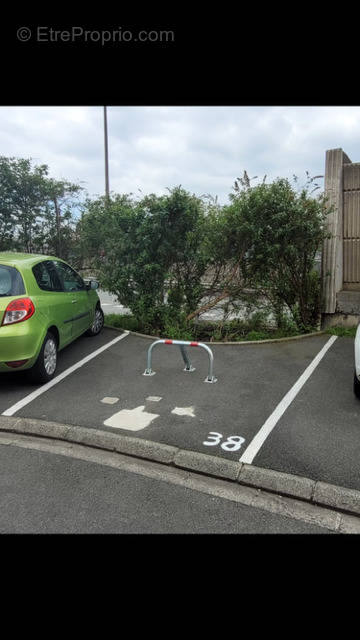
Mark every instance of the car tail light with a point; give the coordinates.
(18, 311)
(16, 363)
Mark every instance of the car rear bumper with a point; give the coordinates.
(21, 341)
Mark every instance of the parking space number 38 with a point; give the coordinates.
(232, 443)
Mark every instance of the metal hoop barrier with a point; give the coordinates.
(188, 366)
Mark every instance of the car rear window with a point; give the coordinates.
(11, 282)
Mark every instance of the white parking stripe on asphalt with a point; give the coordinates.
(29, 398)
(257, 442)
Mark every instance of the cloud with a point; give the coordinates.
(202, 148)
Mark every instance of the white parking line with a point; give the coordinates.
(22, 403)
(257, 442)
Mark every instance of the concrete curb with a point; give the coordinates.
(243, 342)
(341, 499)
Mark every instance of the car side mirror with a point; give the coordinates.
(91, 284)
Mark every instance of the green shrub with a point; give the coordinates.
(342, 331)
(233, 331)
(149, 253)
(256, 335)
(282, 229)
(127, 322)
(153, 253)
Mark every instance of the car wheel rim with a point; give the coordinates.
(98, 321)
(50, 357)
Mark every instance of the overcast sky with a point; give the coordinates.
(202, 148)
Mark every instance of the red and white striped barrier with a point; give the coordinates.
(188, 366)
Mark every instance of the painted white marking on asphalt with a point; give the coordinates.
(184, 411)
(232, 443)
(257, 442)
(22, 403)
(131, 419)
(109, 400)
(154, 398)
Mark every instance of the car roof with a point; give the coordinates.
(12, 258)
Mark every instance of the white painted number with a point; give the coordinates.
(213, 436)
(232, 443)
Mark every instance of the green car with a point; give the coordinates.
(44, 305)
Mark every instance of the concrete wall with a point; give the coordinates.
(332, 256)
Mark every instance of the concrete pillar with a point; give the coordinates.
(332, 255)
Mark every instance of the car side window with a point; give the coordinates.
(71, 281)
(46, 276)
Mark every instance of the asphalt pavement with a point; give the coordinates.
(48, 488)
(289, 403)
(316, 437)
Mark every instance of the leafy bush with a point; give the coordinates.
(282, 230)
(153, 254)
(149, 253)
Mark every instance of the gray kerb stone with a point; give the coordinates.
(7, 423)
(146, 449)
(337, 497)
(42, 428)
(276, 481)
(211, 465)
(93, 438)
(349, 524)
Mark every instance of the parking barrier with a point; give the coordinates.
(188, 366)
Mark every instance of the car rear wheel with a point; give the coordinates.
(356, 386)
(97, 324)
(45, 366)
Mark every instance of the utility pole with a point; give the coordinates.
(107, 191)
(57, 211)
